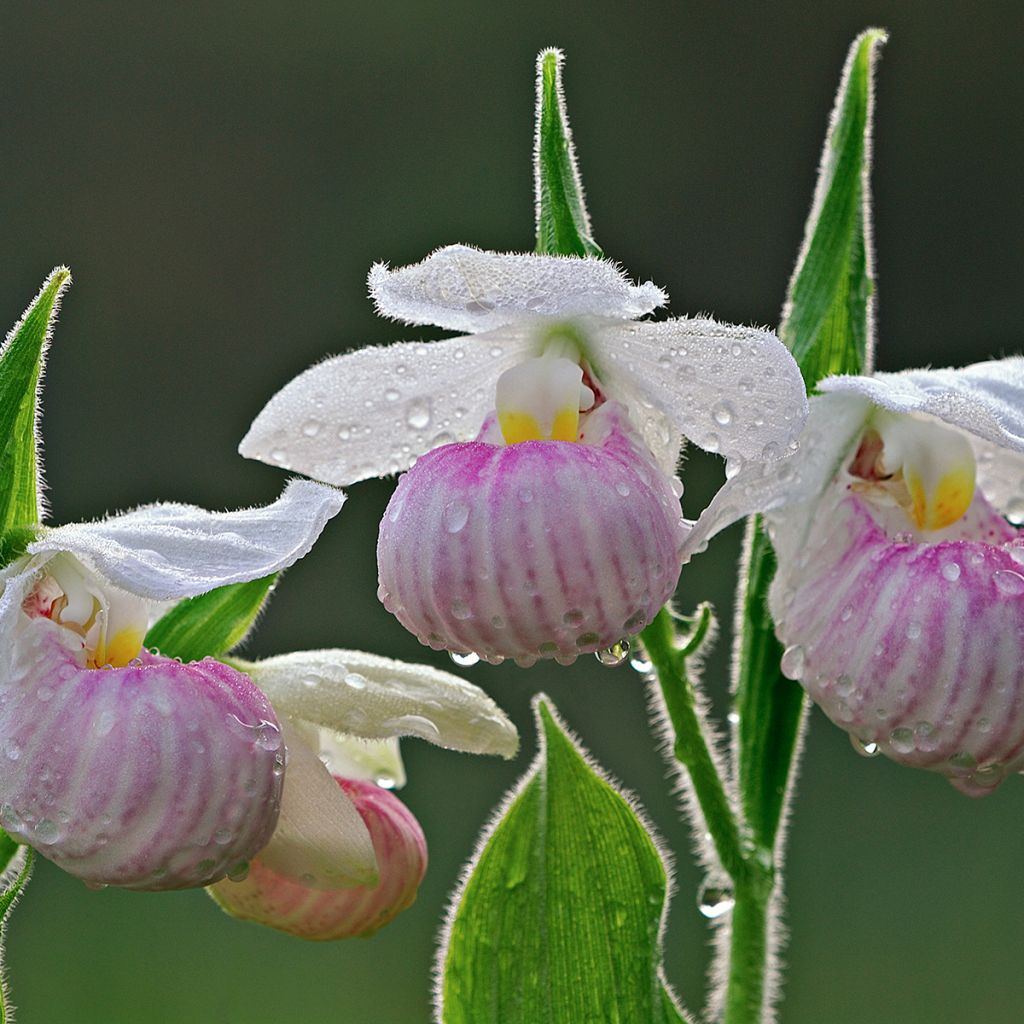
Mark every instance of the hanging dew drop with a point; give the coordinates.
(715, 899)
(238, 872)
(385, 780)
(866, 748)
(615, 655)
(794, 660)
(464, 659)
(1008, 582)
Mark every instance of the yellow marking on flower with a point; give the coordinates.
(540, 400)
(935, 464)
(123, 647)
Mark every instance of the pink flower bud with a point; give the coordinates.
(269, 898)
(541, 549)
(158, 775)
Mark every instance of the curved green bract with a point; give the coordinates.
(560, 916)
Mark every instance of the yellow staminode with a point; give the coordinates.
(937, 465)
(541, 399)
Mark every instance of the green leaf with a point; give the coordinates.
(21, 367)
(17, 873)
(828, 318)
(560, 916)
(827, 323)
(211, 624)
(563, 226)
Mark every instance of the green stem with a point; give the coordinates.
(691, 746)
(748, 950)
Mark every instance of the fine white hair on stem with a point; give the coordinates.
(12, 884)
(498, 815)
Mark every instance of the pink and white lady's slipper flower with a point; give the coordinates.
(122, 766)
(900, 586)
(541, 518)
(357, 862)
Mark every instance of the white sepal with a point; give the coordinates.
(731, 390)
(320, 841)
(373, 697)
(169, 551)
(376, 761)
(461, 288)
(372, 412)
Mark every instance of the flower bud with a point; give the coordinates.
(539, 549)
(156, 775)
(270, 898)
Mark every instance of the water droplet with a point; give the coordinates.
(844, 685)
(902, 740)
(733, 465)
(238, 872)
(733, 718)
(268, 736)
(223, 836)
(46, 832)
(622, 489)
(1008, 582)
(455, 515)
(413, 725)
(43, 693)
(846, 614)
(677, 486)
(723, 414)
(392, 395)
(344, 433)
(573, 617)
(770, 452)
(951, 571)
(278, 766)
(311, 428)
(12, 750)
(913, 631)
(715, 899)
(417, 413)
(640, 663)
(460, 609)
(465, 659)
(385, 780)
(964, 761)
(866, 748)
(104, 722)
(746, 385)
(355, 681)
(794, 661)
(525, 495)
(311, 681)
(903, 537)
(279, 455)
(1015, 511)
(614, 655)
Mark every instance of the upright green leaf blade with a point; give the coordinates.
(21, 366)
(210, 624)
(827, 323)
(560, 918)
(828, 317)
(563, 225)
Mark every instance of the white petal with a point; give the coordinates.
(373, 411)
(373, 697)
(733, 390)
(377, 761)
(986, 400)
(320, 840)
(168, 551)
(793, 483)
(465, 289)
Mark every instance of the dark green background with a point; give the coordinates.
(220, 176)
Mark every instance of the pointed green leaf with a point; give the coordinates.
(21, 366)
(828, 317)
(211, 624)
(563, 226)
(16, 874)
(827, 322)
(560, 916)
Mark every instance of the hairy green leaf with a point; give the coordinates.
(563, 226)
(210, 624)
(827, 323)
(828, 317)
(560, 916)
(22, 358)
(17, 872)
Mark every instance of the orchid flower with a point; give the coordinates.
(900, 587)
(540, 518)
(342, 713)
(123, 766)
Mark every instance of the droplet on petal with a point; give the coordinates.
(268, 898)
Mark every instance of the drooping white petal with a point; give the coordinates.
(461, 288)
(373, 697)
(733, 390)
(168, 551)
(795, 482)
(320, 840)
(376, 761)
(372, 412)
(986, 400)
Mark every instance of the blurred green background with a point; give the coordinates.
(220, 177)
